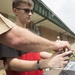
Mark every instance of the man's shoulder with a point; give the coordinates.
(5, 24)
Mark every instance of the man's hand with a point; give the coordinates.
(60, 45)
(56, 60)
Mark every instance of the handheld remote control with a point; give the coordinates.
(69, 55)
(65, 49)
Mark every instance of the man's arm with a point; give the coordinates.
(45, 55)
(56, 61)
(24, 40)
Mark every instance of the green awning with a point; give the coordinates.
(41, 9)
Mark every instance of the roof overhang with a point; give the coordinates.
(41, 21)
(49, 19)
(42, 16)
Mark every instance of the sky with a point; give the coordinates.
(65, 10)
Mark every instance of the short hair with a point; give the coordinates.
(16, 3)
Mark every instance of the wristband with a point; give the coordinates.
(38, 65)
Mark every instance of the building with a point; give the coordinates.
(47, 23)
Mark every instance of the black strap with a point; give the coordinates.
(38, 65)
(0, 46)
(0, 50)
(21, 53)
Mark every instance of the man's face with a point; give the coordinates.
(24, 13)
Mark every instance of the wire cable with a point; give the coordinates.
(63, 72)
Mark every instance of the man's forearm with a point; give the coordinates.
(56, 61)
(21, 65)
(24, 40)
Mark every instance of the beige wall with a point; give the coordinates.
(52, 35)
(48, 33)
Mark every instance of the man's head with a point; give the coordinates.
(23, 10)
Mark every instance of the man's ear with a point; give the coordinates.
(15, 11)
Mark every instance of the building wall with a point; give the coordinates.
(52, 35)
(48, 33)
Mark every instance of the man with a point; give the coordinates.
(21, 9)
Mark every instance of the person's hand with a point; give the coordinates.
(56, 60)
(60, 45)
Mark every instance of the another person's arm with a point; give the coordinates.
(56, 61)
(24, 40)
(45, 55)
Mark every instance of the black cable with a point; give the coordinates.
(63, 72)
